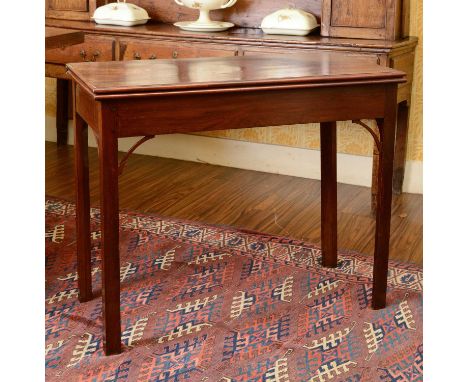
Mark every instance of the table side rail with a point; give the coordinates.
(152, 115)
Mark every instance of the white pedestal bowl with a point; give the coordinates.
(204, 23)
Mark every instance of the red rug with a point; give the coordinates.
(218, 304)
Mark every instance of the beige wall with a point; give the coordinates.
(351, 139)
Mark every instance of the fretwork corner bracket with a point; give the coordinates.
(124, 160)
(375, 134)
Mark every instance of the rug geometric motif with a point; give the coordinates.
(218, 304)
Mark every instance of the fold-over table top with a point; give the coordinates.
(119, 78)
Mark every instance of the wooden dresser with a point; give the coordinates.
(160, 39)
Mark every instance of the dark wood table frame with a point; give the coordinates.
(118, 99)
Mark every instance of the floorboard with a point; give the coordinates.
(274, 204)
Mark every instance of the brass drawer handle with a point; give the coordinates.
(152, 57)
(83, 54)
(96, 54)
(137, 56)
(175, 54)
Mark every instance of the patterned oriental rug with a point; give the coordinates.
(218, 304)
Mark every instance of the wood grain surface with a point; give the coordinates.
(248, 36)
(159, 75)
(60, 38)
(274, 204)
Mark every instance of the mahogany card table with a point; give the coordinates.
(148, 98)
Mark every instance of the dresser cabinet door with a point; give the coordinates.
(71, 9)
(154, 49)
(368, 19)
(68, 5)
(95, 48)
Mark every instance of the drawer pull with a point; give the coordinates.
(96, 54)
(175, 54)
(137, 56)
(83, 55)
(152, 57)
(378, 60)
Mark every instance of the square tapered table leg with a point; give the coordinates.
(329, 194)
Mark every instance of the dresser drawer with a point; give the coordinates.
(95, 48)
(372, 58)
(151, 50)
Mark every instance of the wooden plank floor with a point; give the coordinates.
(274, 204)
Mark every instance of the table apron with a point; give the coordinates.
(86, 106)
(184, 113)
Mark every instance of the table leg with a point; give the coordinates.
(400, 147)
(384, 200)
(108, 162)
(61, 114)
(375, 179)
(328, 189)
(83, 240)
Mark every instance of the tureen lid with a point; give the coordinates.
(120, 11)
(290, 18)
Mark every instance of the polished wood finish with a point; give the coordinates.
(328, 194)
(263, 202)
(135, 49)
(384, 200)
(130, 97)
(135, 78)
(72, 9)
(109, 176)
(94, 48)
(248, 37)
(89, 48)
(372, 19)
(61, 38)
(400, 149)
(62, 111)
(83, 243)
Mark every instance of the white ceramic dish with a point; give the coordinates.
(120, 22)
(120, 13)
(290, 32)
(289, 21)
(214, 26)
(204, 23)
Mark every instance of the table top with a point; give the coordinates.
(59, 37)
(149, 76)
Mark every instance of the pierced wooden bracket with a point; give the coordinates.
(124, 160)
(376, 160)
(375, 135)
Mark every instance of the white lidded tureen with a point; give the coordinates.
(121, 13)
(289, 21)
(204, 23)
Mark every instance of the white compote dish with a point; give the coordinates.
(204, 23)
